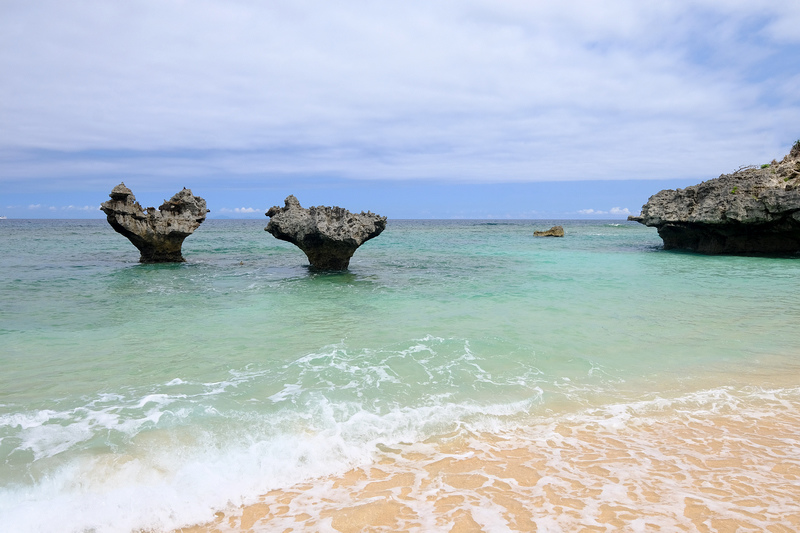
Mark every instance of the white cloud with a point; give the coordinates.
(475, 91)
(617, 211)
(240, 210)
(63, 208)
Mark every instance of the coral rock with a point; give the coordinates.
(158, 234)
(751, 211)
(555, 231)
(329, 236)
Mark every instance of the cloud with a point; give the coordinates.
(617, 211)
(477, 91)
(62, 208)
(240, 210)
(620, 211)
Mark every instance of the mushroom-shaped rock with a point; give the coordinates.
(329, 236)
(751, 211)
(158, 234)
(555, 231)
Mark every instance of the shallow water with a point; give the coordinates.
(154, 396)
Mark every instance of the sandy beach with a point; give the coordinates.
(682, 468)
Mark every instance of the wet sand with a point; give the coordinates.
(701, 467)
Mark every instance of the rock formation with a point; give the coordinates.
(158, 234)
(329, 236)
(751, 211)
(555, 231)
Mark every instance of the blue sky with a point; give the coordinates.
(414, 109)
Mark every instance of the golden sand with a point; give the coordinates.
(722, 470)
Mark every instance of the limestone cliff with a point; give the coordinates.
(753, 210)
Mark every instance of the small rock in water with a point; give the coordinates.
(329, 236)
(158, 234)
(555, 231)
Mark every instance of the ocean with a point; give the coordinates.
(461, 376)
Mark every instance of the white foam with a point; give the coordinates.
(290, 390)
(171, 486)
(167, 480)
(158, 399)
(27, 420)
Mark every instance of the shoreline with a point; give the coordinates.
(417, 391)
(701, 467)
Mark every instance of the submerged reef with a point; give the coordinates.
(755, 210)
(329, 236)
(555, 231)
(158, 234)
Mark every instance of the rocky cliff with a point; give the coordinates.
(753, 210)
(158, 234)
(329, 236)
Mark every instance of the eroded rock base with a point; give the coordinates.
(731, 240)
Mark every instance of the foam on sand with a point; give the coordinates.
(719, 460)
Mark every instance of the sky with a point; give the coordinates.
(412, 109)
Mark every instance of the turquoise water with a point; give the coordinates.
(149, 396)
